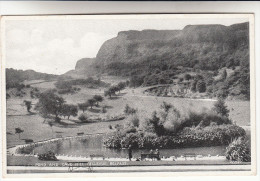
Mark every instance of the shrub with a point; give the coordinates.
(180, 79)
(220, 108)
(83, 118)
(128, 110)
(133, 120)
(239, 150)
(193, 86)
(103, 110)
(201, 86)
(189, 137)
(187, 76)
(204, 119)
(118, 127)
(49, 156)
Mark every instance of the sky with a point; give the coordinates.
(55, 45)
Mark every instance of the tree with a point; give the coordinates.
(108, 93)
(115, 89)
(220, 108)
(28, 105)
(136, 81)
(50, 123)
(69, 110)
(91, 102)
(166, 107)
(98, 98)
(187, 76)
(201, 86)
(18, 131)
(83, 106)
(111, 91)
(198, 77)
(157, 125)
(50, 104)
(224, 75)
(121, 85)
(180, 80)
(193, 86)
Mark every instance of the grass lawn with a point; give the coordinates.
(35, 129)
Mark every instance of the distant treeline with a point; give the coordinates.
(14, 78)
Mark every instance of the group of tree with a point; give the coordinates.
(69, 110)
(50, 104)
(95, 100)
(89, 82)
(114, 89)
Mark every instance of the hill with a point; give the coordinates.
(151, 57)
(207, 47)
(15, 77)
(82, 69)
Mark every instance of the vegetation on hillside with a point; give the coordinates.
(68, 86)
(202, 49)
(14, 78)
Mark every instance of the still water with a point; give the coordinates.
(93, 145)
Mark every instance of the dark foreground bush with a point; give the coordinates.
(49, 156)
(239, 150)
(216, 135)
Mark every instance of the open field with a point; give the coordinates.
(35, 129)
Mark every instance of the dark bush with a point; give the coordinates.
(83, 118)
(204, 119)
(128, 110)
(201, 86)
(189, 137)
(239, 150)
(49, 156)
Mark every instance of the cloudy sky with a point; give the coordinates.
(55, 45)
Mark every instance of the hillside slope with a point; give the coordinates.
(15, 77)
(207, 47)
(82, 69)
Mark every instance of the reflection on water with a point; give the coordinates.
(93, 145)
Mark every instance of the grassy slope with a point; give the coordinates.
(35, 129)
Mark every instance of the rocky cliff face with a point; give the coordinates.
(207, 47)
(83, 68)
(187, 47)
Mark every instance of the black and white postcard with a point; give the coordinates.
(172, 94)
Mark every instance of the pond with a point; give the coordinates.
(89, 145)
